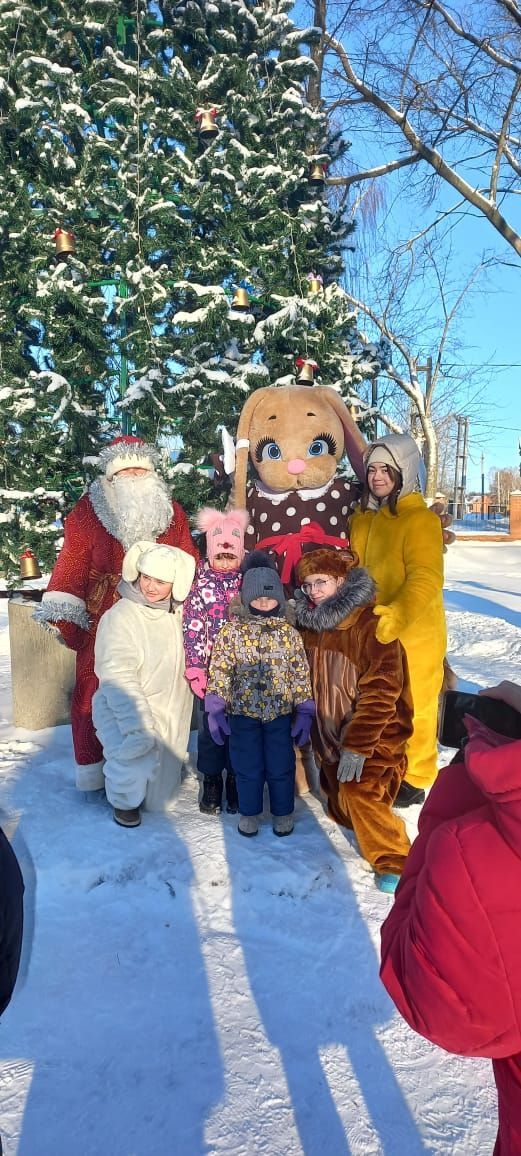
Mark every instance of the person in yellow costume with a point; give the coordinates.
(399, 541)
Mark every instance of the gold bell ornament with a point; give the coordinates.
(315, 282)
(317, 174)
(306, 369)
(207, 128)
(65, 242)
(29, 567)
(241, 300)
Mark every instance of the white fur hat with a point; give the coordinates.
(166, 563)
(125, 452)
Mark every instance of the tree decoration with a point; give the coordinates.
(306, 369)
(317, 174)
(29, 567)
(207, 127)
(241, 300)
(315, 282)
(65, 242)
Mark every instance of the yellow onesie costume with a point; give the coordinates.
(404, 555)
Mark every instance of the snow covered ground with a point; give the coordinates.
(185, 991)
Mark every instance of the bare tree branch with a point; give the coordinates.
(512, 8)
(371, 174)
(424, 150)
(478, 41)
(503, 138)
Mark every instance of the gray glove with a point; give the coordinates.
(350, 767)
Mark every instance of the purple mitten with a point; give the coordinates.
(218, 724)
(301, 725)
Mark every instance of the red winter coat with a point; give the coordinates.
(451, 946)
(81, 588)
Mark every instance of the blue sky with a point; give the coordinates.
(488, 329)
(489, 332)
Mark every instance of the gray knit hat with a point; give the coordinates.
(260, 579)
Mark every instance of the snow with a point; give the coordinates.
(184, 991)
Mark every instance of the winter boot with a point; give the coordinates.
(127, 818)
(283, 824)
(409, 795)
(387, 882)
(232, 798)
(211, 797)
(248, 825)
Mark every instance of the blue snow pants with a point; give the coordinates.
(262, 752)
(211, 758)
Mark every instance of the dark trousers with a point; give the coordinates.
(262, 752)
(211, 758)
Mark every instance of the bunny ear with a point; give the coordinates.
(207, 517)
(354, 441)
(242, 445)
(184, 575)
(129, 571)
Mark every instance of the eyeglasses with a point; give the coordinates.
(318, 584)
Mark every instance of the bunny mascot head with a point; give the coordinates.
(294, 437)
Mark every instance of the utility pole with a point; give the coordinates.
(460, 470)
(456, 469)
(426, 449)
(482, 487)
(464, 460)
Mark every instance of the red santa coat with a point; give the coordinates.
(451, 946)
(82, 586)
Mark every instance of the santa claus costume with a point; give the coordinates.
(118, 510)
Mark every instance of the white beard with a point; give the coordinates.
(141, 506)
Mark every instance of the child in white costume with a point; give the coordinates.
(142, 708)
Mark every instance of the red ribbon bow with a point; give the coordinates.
(291, 545)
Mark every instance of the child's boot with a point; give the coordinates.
(387, 882)
(211, 797)
(248, 825)
(232, 798)
(283, 824)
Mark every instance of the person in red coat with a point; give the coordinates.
(451, 945)
(127, 503)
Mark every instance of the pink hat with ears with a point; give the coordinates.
(224, 531)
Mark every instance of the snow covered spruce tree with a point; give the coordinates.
(252, 188)
(131, 211)
(88, 172)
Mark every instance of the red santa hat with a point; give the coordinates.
(126, 452)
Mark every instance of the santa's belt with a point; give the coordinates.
(291, 545)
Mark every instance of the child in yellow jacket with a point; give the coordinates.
(399, 540)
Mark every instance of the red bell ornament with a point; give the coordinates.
(306, 369)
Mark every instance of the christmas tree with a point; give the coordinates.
(166, 241)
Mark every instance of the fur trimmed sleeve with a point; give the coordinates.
(64, 603)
